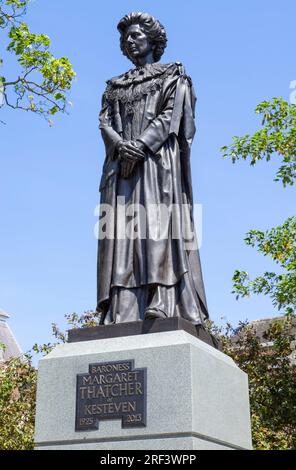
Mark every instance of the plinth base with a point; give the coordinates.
(197, 398)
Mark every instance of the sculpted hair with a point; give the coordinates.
(154, 30)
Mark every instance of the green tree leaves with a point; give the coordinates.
(44, 80)
(269, 359)
(271, 368)
(18, 381)
(279, 244)
(17, 404)
(277, 136)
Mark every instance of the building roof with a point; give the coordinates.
(7, 338)
(261, 326)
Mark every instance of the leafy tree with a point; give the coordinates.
(279, 244)
(276, 137)
(271, 368)
(43, 80)
(86, 320)
(18, 381)
(17, 404)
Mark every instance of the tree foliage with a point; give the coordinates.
(279, 244)
(271, 368)
(43, 81)
(276, 137)
(18, 381)
(73, 320)
(17, 404)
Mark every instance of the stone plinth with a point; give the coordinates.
(197, 398)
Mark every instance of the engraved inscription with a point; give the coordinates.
(111, 390)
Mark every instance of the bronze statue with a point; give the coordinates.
(147, 124)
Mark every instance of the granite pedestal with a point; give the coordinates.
(197, 398)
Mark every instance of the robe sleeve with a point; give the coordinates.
(175, 102)
(106, 124)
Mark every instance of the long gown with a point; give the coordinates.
(160, 273)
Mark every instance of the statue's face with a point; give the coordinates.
(137, 44)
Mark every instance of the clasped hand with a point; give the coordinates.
(129, 152)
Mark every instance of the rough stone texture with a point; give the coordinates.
(197, 398)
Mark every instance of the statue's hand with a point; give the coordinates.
(130, 151)
(140, 145)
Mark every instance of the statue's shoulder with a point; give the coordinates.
(174, 68)
(180, 67)
(116, 78)
(177, 69)
(180, 71)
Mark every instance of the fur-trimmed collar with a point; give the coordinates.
(140, 74)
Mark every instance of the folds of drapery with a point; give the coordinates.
(176, 116)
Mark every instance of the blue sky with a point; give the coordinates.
(237, 53)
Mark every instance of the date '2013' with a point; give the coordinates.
(134, 418)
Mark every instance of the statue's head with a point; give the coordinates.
(141, 35)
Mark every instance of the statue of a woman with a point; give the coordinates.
(147, 123)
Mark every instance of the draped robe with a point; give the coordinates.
(155, 105)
